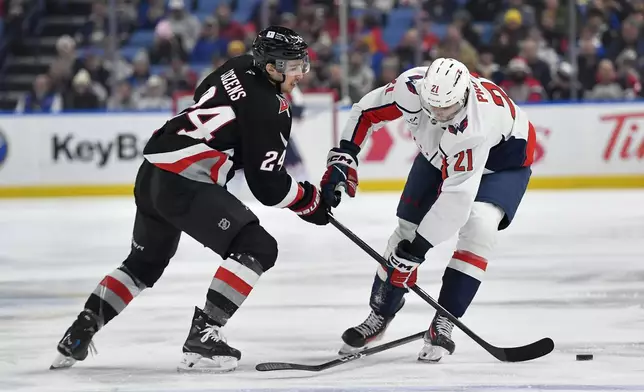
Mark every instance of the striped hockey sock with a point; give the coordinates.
(231, 285)
(113, 294)
(461, 281)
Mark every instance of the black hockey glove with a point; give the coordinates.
(341, 172)
(311, 207)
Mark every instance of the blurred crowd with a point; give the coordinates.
(527, 53)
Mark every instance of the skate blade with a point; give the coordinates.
(347, 349)
(432, 354)
(62, 362)
(192, 362)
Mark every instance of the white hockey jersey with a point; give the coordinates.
(492, 134)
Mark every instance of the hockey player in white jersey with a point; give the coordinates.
(476, 147)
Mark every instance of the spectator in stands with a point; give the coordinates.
(97, 26)
(185, 27)
(407, 48)
(607, 87)
(454, 46)
(360, 78)
(558, 12)
(82, 96)
(463, 21)
(563, 84)
(555, 38)
(544, 52)
(486, 67)
(93, 63)
(506, 39)
(429, 39)
(236, 48)
(597, 28)
(151, 12)
(179, 77)
(153, 96)
(166, 44)
(540, 69)
(333, 81)
(63, 67)
(520, 85)
(587, 62)
(210, 43)
(41, 99)
(140, 70)
(484, 10)
(126, 15)
(527, 12)
(228, 28)
(627, 74)
(628, 39)
(390, 71)
(440, 11)
(122, 98)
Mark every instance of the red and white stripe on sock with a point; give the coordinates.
(468, 263)
(117, 289)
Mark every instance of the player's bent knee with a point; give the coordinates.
(254, 240)
(479, 234)
(143, 270)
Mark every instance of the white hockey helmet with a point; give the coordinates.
(444, 89)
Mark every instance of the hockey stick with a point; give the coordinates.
(511, 354)
(270, 366)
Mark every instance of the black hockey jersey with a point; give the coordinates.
(240, 120)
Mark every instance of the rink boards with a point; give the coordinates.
(578, 146)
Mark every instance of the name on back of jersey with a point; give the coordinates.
(232, 85)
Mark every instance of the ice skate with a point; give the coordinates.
(369, 331)
(438, 340)
(205, 349)
(77, 341)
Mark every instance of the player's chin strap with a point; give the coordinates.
(512, 354)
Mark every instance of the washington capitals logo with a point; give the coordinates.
(283, 105)
(455, 129)
(410, 83)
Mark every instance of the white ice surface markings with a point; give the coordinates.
(570, 267)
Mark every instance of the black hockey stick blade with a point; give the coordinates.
(270, 366)
(512, 354)
(529, 352)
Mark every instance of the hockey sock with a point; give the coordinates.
(461, 281)
(231, 285)
(113, 294)
(386, 299)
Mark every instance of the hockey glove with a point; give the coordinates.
(311, 207)
(341, 172)
(402, 265)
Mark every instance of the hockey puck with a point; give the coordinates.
(584, 357)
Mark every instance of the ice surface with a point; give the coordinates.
(570, 267)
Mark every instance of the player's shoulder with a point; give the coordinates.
(406, 89)
(239, 80)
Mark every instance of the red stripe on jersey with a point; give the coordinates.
(214, 170)
(117, 288)
(183, 163)
(233, 281)
(372, 116)
(470, 258)
(298, 196)
(530, 147)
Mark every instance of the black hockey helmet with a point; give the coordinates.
(282, 47)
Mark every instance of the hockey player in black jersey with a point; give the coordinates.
(240, 119)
